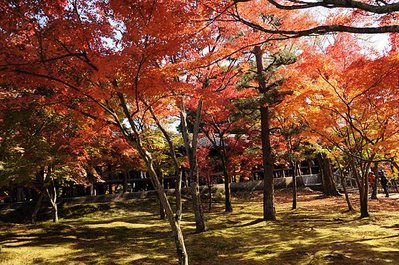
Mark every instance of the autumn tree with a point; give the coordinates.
(349, 101)
(102, 60)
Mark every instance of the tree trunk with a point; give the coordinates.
(38, 205)
(40, 178)
(343, 184)
(175, 225)
(329, 188)
(134, 138)
(179, 204)
(52, 196)
(161, 209)
(178, 169)
(294, 186)
(269, 211)
(197, 207)
(364, 212)
(55, 213)
(191, 149)
(362, 183)
(227, 179)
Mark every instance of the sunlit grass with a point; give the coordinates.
(318, 232)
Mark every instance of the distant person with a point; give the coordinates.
(384, 183)
(372, 181)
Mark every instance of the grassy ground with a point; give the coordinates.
(319, 232)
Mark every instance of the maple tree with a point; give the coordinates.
(128, 67)
(361, 17)
(38, 151)
(350, 102)
(66, 46)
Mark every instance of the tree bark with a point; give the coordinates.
(40, 178)
(38, 205)
(52, 195)
(269, 212)
(134, 138)
(227, 178)
(348, 201)
(179, 204)
(176, 164)
(362, 183)
(191, 149)
(161, 209)
(294, 186)
(329, 188)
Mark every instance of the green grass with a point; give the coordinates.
(319, 232)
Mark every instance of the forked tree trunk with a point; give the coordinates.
(178, 170)
(174, 223)
(134, 139)
(269, 211)
(362, 183)
(52, 195)
(191, 149)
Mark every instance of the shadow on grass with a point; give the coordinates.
(132, 234)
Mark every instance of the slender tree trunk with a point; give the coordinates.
(227, 178)
(178, 169)
(348, 200)
(175, 224)
(294, 186)
(269, 211)
(191, 149)
(179, 204)
(134, 138)
(161, 209)
(52, 195)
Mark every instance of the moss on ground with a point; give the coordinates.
(318, 232)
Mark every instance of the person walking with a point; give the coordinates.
(384, 183)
